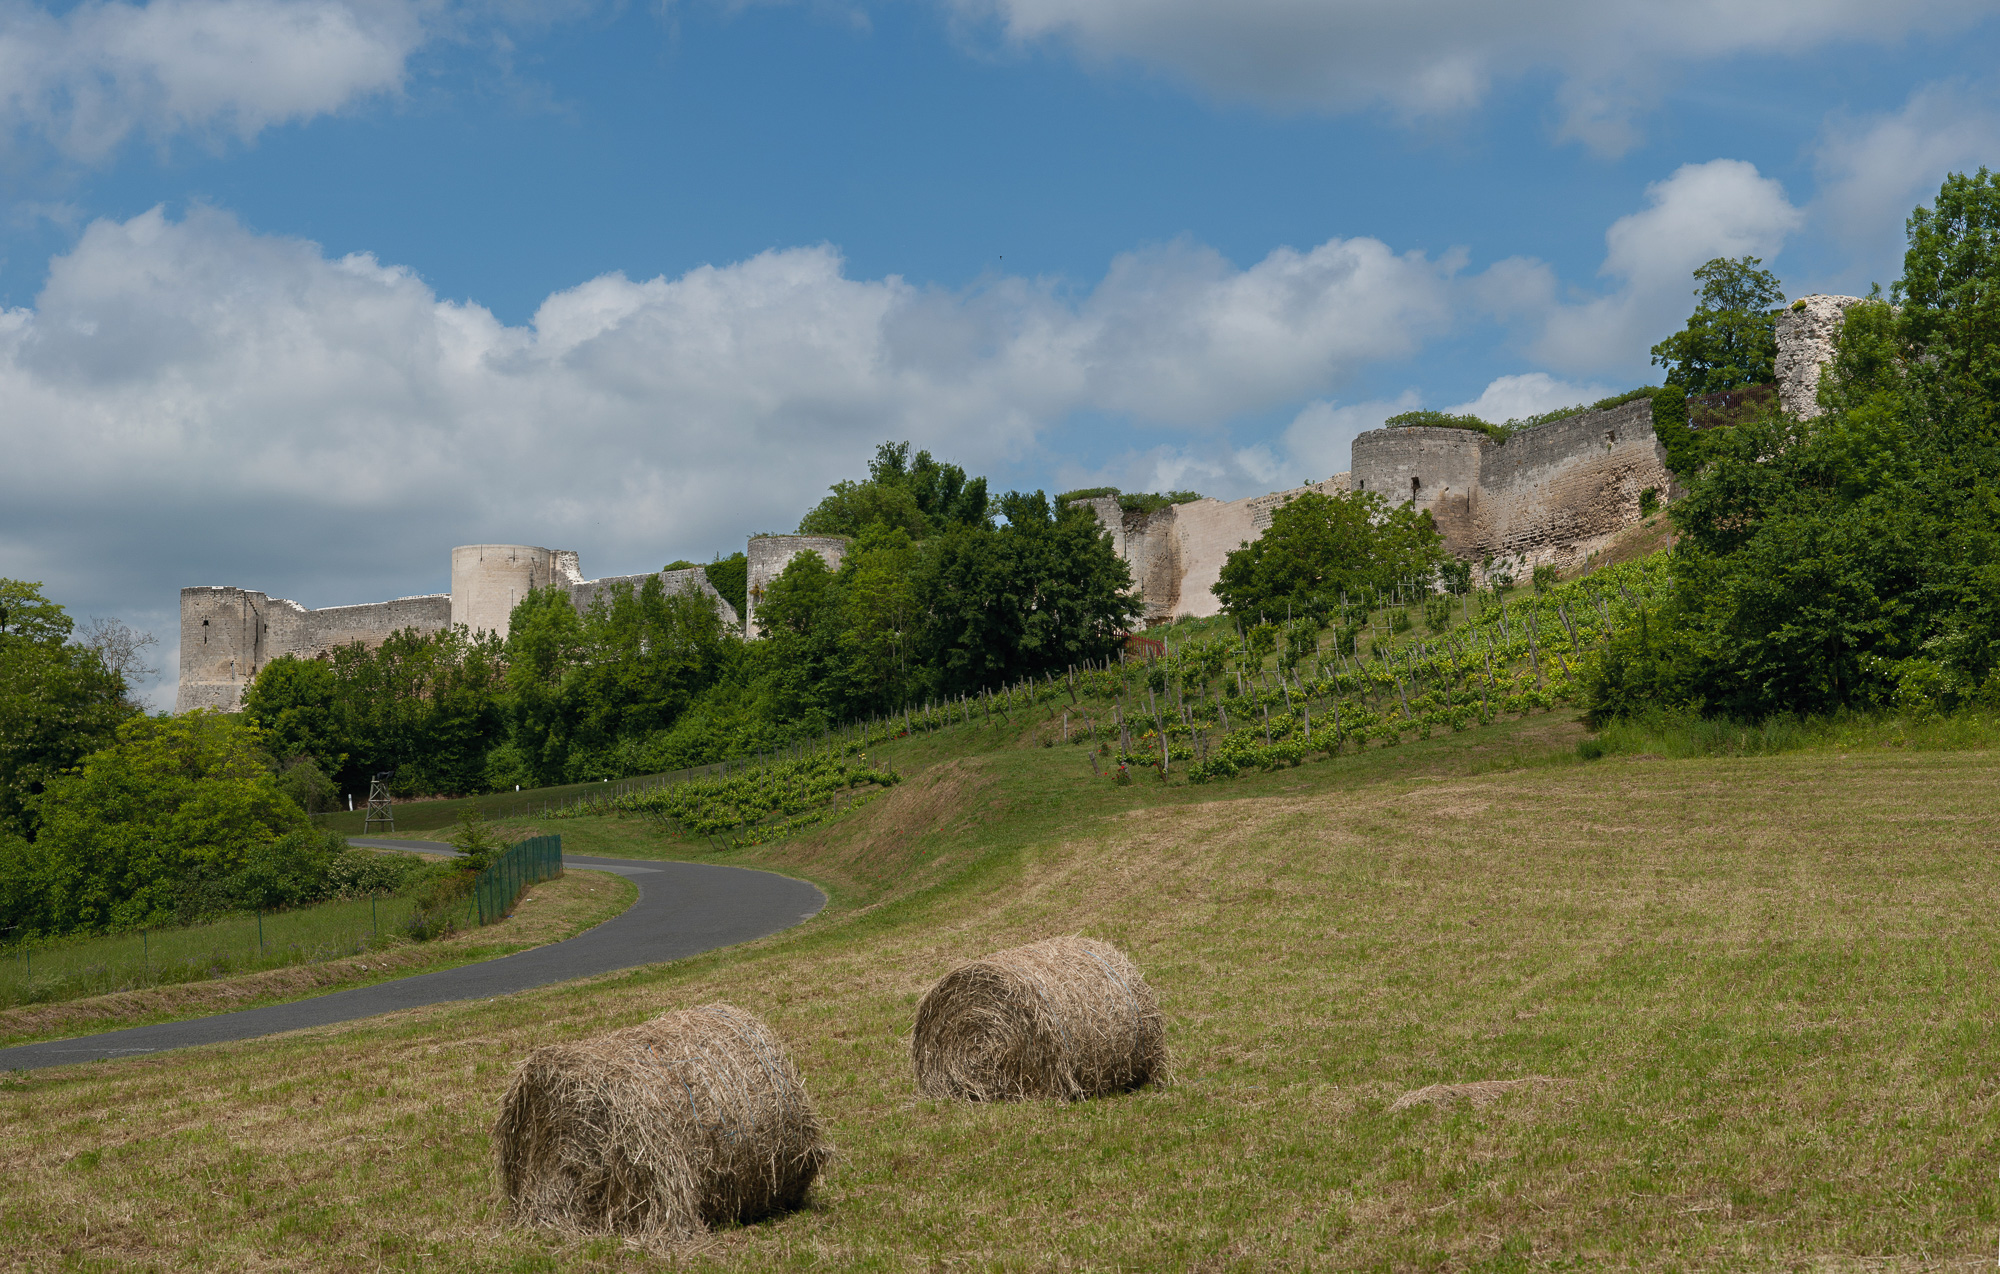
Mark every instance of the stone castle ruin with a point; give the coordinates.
(1550, 495)
(228, 634)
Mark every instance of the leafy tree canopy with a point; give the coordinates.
(58, 702)
(174, 799)
(922, 496)
(1950, 295)
(1731, 339)
(1319, 547)
(1851, 560)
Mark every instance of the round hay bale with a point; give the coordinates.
(693, 1119)
(1064, 1017)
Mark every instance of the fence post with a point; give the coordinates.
(260, 931)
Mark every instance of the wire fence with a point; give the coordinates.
(67, 968)
(525, 863)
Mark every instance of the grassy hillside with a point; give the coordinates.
(1754, 993)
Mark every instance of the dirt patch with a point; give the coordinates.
(1641, 539)
(1480, 1092)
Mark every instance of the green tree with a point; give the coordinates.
(295, 702)
(1044, 591)
(730, 576)
(544, 642)
(1852, 560)
(1950, 297)
(174, 800)
(58, 702)
(643, 655)
(922, 497)
(1730, 341)
(1319, 547)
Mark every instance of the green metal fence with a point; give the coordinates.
(526, 863)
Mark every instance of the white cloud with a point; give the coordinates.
(1530, 394)
(1874, 169)
(90, 76)
(1428, 56)
(1722, 208)
(1320, 439)
(190, 402)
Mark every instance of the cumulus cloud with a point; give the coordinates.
(1874, 169)
(86, 78)
(190, 402)
(1428, 56)
(1723, 208)
(1529, 394)
(1320, 438)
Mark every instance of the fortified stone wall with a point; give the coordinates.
(1548, 495)
(586, 592)
(769, 555)
(1552, 494)
(1806, 329)
(1176, 554)
(228, 634)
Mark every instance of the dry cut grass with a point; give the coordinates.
(1767, 982)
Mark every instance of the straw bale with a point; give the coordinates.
(1066, 1017)
(1479, 1092)
(664, 1129)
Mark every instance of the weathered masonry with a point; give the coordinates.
(228, 634)
(1550, 495)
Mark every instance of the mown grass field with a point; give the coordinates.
(1763, 989)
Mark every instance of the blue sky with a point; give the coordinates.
(301, 293)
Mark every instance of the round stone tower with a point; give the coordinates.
(489, 580)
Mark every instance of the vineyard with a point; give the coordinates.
(740, 808)
(1221, 700)
(1208, 700)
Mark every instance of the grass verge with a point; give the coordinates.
(548, 912)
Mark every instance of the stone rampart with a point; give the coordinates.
(1550, 495)
(769, 555)
(228, 634)
(1176, 554)
(584, 593)
(1806, 331)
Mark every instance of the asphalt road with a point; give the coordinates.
(683, 909)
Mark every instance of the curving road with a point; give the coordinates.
(683, 909)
